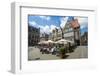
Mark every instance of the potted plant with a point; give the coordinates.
(62, 52)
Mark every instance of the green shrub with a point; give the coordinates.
(62, 50)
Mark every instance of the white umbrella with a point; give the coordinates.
(63, 41)
(50, 41)
(46, 42)
(42, 42)
(56, 42)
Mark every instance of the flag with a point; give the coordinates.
(74, 23)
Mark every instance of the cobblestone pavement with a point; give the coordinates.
(35, 54)
(80, 52)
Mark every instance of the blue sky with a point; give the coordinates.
(45, 20)
(48, 23)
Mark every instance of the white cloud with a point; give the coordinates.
(52, 27)
(47, 29)
(44, 29)
(83, 26)
(33, 23)
(63, 21)
(41, 29)
(45, 17)
(83, 21)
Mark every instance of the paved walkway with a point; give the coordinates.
(35, 54)
(80, 52)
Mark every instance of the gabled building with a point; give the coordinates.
(68, 33)
(33, 35)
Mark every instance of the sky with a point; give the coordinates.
(48, 23)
